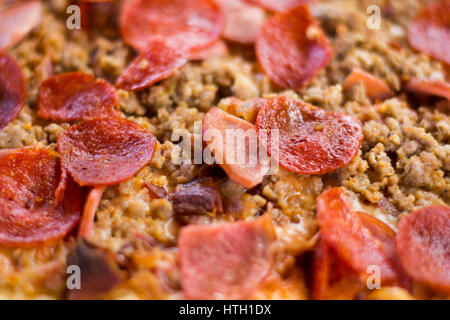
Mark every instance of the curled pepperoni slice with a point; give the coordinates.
(30, 181)
(423, 243)
(429, 87)
(193, 24)
(103, 152)
(429, 32)
(159, 61)
(242, 20)
(305, 139)
(291, 48)
(225, 261)
(76, 96)
(356, 238)
(12, 89)
(279, 5)
(375, 87)
(217, 49)
(233, 142)
(17, 21)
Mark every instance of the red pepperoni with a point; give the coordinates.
(423, 243)
(30, 181)
(17, 21)
(375, 87)
(12, 89)
(217, 49)
(429, 87)
(159, 61)
(242, 20)
(103, 152)
(429, 32)
(193, 24)
(359, 240)
(310, 140)
(291, 48)
(279, 5)
(77, 96)
(225, 261)
(225, 135)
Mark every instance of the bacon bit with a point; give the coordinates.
(91, 206)
(225, 261)
(155, 192)
(100, 272)
(429, 87)
(196, 198)
(375, 87)
(218, 122)
(423, 243)
(16, 22)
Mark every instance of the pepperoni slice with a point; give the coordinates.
(77, 96)
(423, 243)
(310, 140)
(356, 238)
(16, 22)
(103, 152)
(429, 32)
(98, 14)
(291, 48)
(242, 20)
(332, 278)
(233, 142)
(193, 24)
(159, 61)
(217, 49)
(375, 87)
(279, 5)
(225, 261)
(12, 89)
(429, 87)
(30, 180)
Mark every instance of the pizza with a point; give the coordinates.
(224, 149)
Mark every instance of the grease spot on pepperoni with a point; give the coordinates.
(225, 261)
(30, 213)
(310, 140)
(242, 20)
(429, 32)
(423, 243)
(77, 96)
(16, 22)
(291, 48)
(157, 62)
(239, 159)
(356, 238)
(103, 152)
(12, 89)
(193, 24)
(279, 5)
